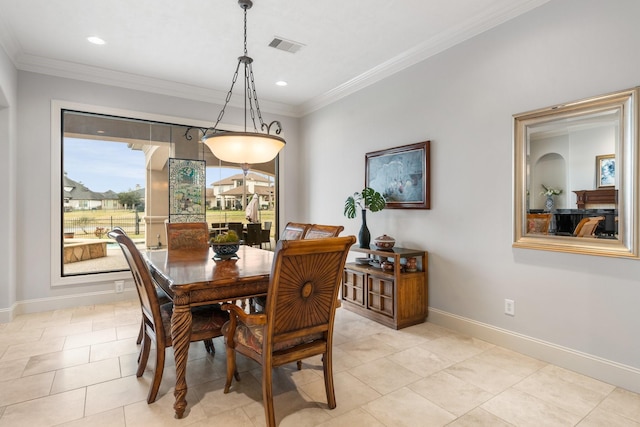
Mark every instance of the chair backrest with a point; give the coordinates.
(538, 223)
(142, 279)
(587, 226)
(187, 235)
(254, 234)
(294, 231)
(303, 288)
(237, 227)
(266, 232)
(318, 231)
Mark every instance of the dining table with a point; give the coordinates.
(194, 277)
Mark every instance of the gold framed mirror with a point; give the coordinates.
(575, 176)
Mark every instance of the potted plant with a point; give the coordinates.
(367, 199)
(225, 245)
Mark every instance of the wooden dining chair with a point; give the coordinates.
(318, 231)
(587, 226)
(163, 298)
(309, 231)
(538, 223)
(299, 316)
(207, 320)
(294, 231)
(187, 235)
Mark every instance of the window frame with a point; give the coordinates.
(56, 237)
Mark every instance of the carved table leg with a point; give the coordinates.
(181, 337)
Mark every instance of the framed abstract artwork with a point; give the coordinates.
(401, 175)
(606, 170)
(187, 183)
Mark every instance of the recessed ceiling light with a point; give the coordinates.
(281, 83)
(96, 40)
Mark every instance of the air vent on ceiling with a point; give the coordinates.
(286, 45)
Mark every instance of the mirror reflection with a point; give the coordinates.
(562, 182)
(575, 176)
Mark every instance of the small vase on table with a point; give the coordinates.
(548, 204)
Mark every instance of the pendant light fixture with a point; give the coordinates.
(247, 147)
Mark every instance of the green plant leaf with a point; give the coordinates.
(350, 207)
(368, 198)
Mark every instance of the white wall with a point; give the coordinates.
(576, 310)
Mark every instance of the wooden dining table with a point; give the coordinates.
(193, 278)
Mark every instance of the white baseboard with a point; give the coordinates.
(66, 301)
(611, 372)
(7, 314)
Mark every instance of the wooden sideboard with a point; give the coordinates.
(600, 196)
(397, 298)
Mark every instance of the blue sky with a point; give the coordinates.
(103, 166)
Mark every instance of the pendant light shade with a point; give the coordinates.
(244, 147)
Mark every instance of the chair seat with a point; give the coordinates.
(205, 318)
(252, 337)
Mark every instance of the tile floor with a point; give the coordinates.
(76, 367)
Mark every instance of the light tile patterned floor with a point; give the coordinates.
(76, 367)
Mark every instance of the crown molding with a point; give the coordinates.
(53, 67)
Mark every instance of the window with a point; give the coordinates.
(113, 172)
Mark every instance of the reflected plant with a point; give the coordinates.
(548, 191)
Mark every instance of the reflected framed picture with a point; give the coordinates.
(187, 183)
(401, 175)
(606, 170)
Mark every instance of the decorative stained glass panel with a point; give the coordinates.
(187, 183)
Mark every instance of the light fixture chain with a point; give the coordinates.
(226, 101)
(255, 96)
(251, 92)
(245, 32)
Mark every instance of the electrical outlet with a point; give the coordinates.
(509, 307)
(119, 286)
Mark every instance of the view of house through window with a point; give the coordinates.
(115, 174)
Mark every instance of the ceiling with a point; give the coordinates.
(189, 48)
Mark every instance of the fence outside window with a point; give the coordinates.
(97, 227)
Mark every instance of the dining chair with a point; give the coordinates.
(238, 228)
(207, 320)
(538, 223)
(308, 231)
(266, 233)
(216, 228)
(587, 226)
(299, 317)
(187, 235)
(318, 231)
(294, 231)
(254, 234)
(163, 298)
